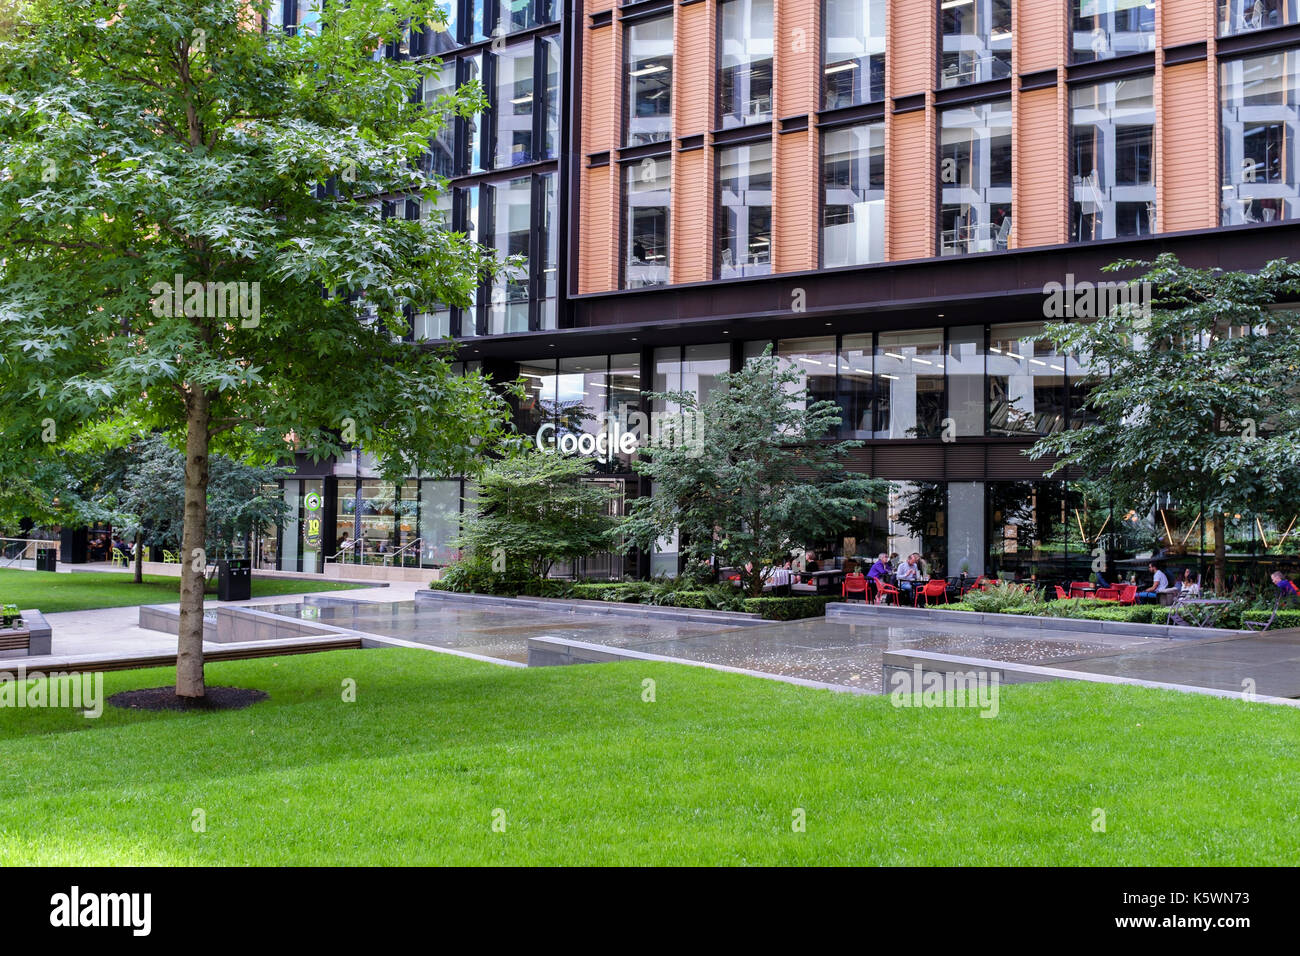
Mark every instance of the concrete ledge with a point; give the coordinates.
(32, 639)
(558, 651)
(167, 617)
(119, 662)
(896, 616)
(930, 662)
(577, 605)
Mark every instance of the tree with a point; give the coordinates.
(534, 509)
(1195, 400)
(760, 481)
(189, 240)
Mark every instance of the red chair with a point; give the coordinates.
(978, 585)
(854, 584)
(889, 593)
(1128, 594)
(1080, 588)
(1107, 594)
(1061, 595)
(931, 589)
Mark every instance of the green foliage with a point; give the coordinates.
(135, 153)
(760, 483)
(790, 608)
(1003, 597)
(1286, 618)
(532, 510)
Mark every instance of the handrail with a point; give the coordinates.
(404, 548)
(25, 553)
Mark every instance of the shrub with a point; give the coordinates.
(789, 608)
(1000, 596)
(1288, 618)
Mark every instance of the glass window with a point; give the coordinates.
(435, 323)
(1261, 121)
(976, 41)
(744, 218)
(1112, 136)
(538, 404)
(1027, 382)
(439, 521)
(1107, 28)
(646, 201)
(291, 529)
(975, 178)
(910, 395)
(469, 199)
(471, 69)
(551, 51)
(853, 54)
(855, 385)
(624, 398)
(442, 148)
(512, 204)
(853, 195)
(514, 15)
(550, 246)
(965, 368)
(667, 376)
(444, 36)
(814, 360)
(581, 395)
(1243, 16)
(745, 55)
(702, 369)
(649, 71)
(479, 20)
(513, 110)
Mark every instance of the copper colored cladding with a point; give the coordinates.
(1185, 148)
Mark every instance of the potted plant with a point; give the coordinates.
(11, 617)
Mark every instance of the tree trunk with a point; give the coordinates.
(189, 652)
(139, 556)
(1220, 556)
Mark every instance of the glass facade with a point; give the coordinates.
(646, 194)
(1112, 140)
(1107, 28)
(1261, 120)
(648, 68)
(975, 178)
(1246, 16)
(745, 62)
(853, 195)
(976, 41)
(853, 52)
(744, 214)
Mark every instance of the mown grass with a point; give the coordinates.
(83, 591)
(581, 769)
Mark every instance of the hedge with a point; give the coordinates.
(790, 608)
(1288, 618)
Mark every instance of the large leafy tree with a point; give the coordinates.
(1198, 399)
(759, 479)
(533, 509)
(145, 143)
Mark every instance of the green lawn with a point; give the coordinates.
(586, 772)
(80, 591)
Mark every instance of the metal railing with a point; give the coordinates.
(355, 553)
(14, 550)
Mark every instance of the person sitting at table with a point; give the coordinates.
(880, 570)
(810, 562)
(1159, 585)
(1188, 585)
(909, 574)
(893, 562)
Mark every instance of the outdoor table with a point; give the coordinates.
(1082, 590)
(824, 581)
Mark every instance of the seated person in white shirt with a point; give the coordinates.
(909, 572)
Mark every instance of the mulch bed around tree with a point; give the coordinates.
(164, 698)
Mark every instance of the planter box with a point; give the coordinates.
(31, 639)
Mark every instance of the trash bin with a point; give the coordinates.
(234, 579)
(46, 559)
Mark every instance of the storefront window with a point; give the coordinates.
(911, 400)
(855, 389)
(1027, 382)
(965, 367)
(703, 368)
(439, 521)
(649, 71)
(745, 55)
(539, 404)
(975, 178)
(976, 41)
(853, 197)
(1112, 143)
(814, 360)
(853, 53)
(646, 198)
(744, 210)
(1107, 28)
(1261, 125)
